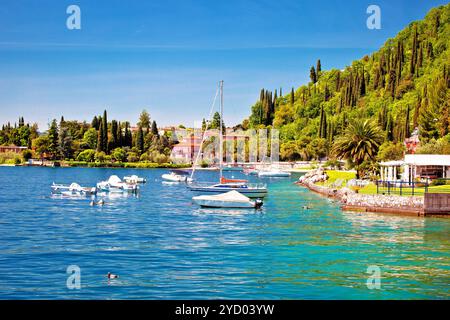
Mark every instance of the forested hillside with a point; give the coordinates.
(403, 86)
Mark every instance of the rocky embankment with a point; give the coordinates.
(349, 198)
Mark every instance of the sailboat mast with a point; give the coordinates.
(221, 130)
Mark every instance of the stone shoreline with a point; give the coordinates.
(352, 201)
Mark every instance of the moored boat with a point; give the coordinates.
(73, 189)
(231, 199)
(176, 176)
(114, 184)
(274, 173)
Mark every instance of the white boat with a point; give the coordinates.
(274, 173)
(134, 179)
(73, 189)
(114, 184)
(176, 176)
(225, 185)
(231, 199)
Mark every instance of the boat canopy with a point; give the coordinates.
(75, 186)
(180, 172)
(114, 179)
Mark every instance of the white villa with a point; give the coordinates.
(416, 166)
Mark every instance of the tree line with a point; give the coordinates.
(101, 140)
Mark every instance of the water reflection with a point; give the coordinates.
(375, 227)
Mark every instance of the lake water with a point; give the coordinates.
(165, 247)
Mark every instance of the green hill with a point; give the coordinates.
(403, 86)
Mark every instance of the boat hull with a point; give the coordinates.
(224, 204)
(174, 178)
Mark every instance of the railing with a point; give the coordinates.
(426, 185)
(402, 188)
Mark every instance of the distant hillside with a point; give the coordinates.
(404, 85)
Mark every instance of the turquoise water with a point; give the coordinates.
(165, 247)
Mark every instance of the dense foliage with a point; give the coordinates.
(100, 141)
(403, 86)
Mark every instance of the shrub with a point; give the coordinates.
(27, 155)
(100, 156)
(86, 156)
(8, 157)
(204, 164)
(119, 155)
(132, 157)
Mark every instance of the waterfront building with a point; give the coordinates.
(416, 167)
(13, 149)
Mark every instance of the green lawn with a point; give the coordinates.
(371, 188)
(334, 175)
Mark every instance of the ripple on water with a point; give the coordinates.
(165, 247)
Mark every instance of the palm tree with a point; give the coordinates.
(360, 142)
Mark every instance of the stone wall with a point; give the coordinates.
(437, 203)
(377, 202)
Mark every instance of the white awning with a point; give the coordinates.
(427, 159)
(398, 163)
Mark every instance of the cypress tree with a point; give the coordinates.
(417, 112)
(389, 128)
(292, 96)
(318, 68)
(119, 135)
(362, 88)
(113, 143)
(413, 60)
(94, 123)
(407, 128)
(313, 75)
(105, 132)
(100, 141)
(53, 139)
(140, 140)
(155, 128)
(324, 126)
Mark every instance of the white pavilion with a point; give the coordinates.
(416, 166)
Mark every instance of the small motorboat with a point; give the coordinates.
(73, 189)
(274, 173)
(114, 184)
(177, 176)
(134, 179)
(232, 199)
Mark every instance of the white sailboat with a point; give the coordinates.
(226, 185)
(272, 171)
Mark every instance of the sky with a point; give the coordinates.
(168, 56)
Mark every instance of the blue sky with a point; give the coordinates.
(167, 56)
